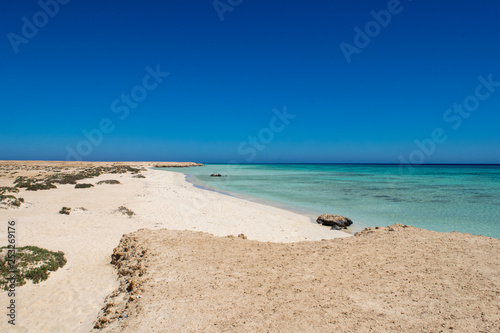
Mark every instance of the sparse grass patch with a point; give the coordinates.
(48, 182)
(139, 176)
(32, 263)
(132, 169)
(110, 182)
(125, 211)
(84, 185)
(33, 184)
(40, 186)
(10, 201)
(7, 189)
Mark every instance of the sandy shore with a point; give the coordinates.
(70, 300)
(181, 273)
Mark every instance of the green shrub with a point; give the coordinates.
(47, 182)
(7, 189)
(40, 186)
(83, 185)
(65, 211)
(33, 184)
(31, 263)
(10, 200)
(110, 182)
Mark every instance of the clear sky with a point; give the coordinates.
(251, 81)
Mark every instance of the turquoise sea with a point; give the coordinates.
(464, 198)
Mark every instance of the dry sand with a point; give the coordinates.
(70, 300)
(395, 279)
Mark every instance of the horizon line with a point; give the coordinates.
(257, 163)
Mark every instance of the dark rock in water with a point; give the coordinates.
(337, 222)
(216, 175)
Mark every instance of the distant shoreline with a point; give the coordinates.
(256, 163)
(99, 163)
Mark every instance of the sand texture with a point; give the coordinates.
(71, 298)
(394, 279)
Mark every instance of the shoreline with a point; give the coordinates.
(193, 180)
(184, 239)
(438, 199)
(163, 200)
(311, 215)
(202, 198)
(356, 227)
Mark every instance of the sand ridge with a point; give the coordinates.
(394, 279)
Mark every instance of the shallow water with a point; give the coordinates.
(439, 197)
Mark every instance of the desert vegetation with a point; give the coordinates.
(84, 185)
(48, 182)
(139, 176)
(109, 182)
(9, 200)
(31, 263)
(125, 211)
(65, 211)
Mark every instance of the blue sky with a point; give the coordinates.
(225, 78)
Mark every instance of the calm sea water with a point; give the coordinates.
(440, 198)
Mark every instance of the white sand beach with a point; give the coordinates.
(69, 301)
